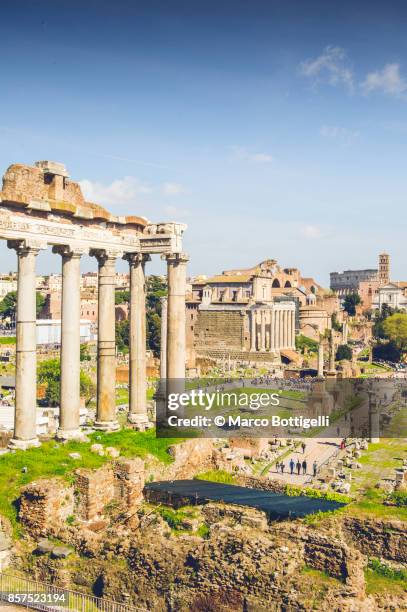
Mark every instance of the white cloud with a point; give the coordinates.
(259, 157)
(310, 231)
(388, 80)
(330, 67)
(343, 135)
(120, 191)
(173, 188)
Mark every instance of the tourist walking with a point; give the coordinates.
(298, 467)
(304, 467)
(277, 466)
(282, 466)
(315, 468)
(303, 446)
(292, 465)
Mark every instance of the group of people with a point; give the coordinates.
(284, 384)
(297, 466)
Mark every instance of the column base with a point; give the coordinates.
(140, 422)
(70, 434)
(15, 444)
(106, 425)
(374, 440)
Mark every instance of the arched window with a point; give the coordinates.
(276, 283)
(287, 284)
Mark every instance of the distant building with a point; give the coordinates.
(254, 314)
(7, 284)
(49, 331)
(364, 282)
(344, 283)
(393, 294)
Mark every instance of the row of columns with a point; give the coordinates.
(26, 361)
(272, 329)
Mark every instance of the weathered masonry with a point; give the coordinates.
(40, 208)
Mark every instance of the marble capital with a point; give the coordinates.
(105, 255)
(135, 259)
(26, 246)
(176, 258)
(69, 251)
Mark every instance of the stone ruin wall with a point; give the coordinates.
(21, 180)
(45, 505)
(216, 329)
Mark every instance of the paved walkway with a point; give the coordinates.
(319, 449)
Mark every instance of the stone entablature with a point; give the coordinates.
(48, 209)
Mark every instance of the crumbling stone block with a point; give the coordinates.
(44, 504)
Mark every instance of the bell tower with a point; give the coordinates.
(384, 269)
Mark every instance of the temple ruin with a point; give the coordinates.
(41, 207)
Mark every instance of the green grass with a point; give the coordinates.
(318, 576)
(52, 459)
(217, 476)
(381, 578)
(379, 461)
(7, 339)
(137, 444)
(122, 396)
(49, 460)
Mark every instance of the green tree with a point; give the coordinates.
(350, 302)
(387, 351)
(343, 351)
(8, 305)
(154, 331)
(335, 323)
(122, 335)
(156, 288)
(395, 329)
(303, 342)
(84, 353)
(49, 374)
(380, 316)
(121, 297)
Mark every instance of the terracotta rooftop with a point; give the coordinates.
(236, 278)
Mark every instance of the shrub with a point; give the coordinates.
(399, 498)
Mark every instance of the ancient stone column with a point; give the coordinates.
(106, 350)
(176, 349)
(293, 329)
(285, 325)
(69, 407)
(25, 425)
(263, 330)
(277, 329)
(320, 359)
(374, 419)
(137, 342)
(272, 332)
(163, 348)
(332, 353)
(253, 330)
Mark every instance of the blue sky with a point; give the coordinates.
(273, 129)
